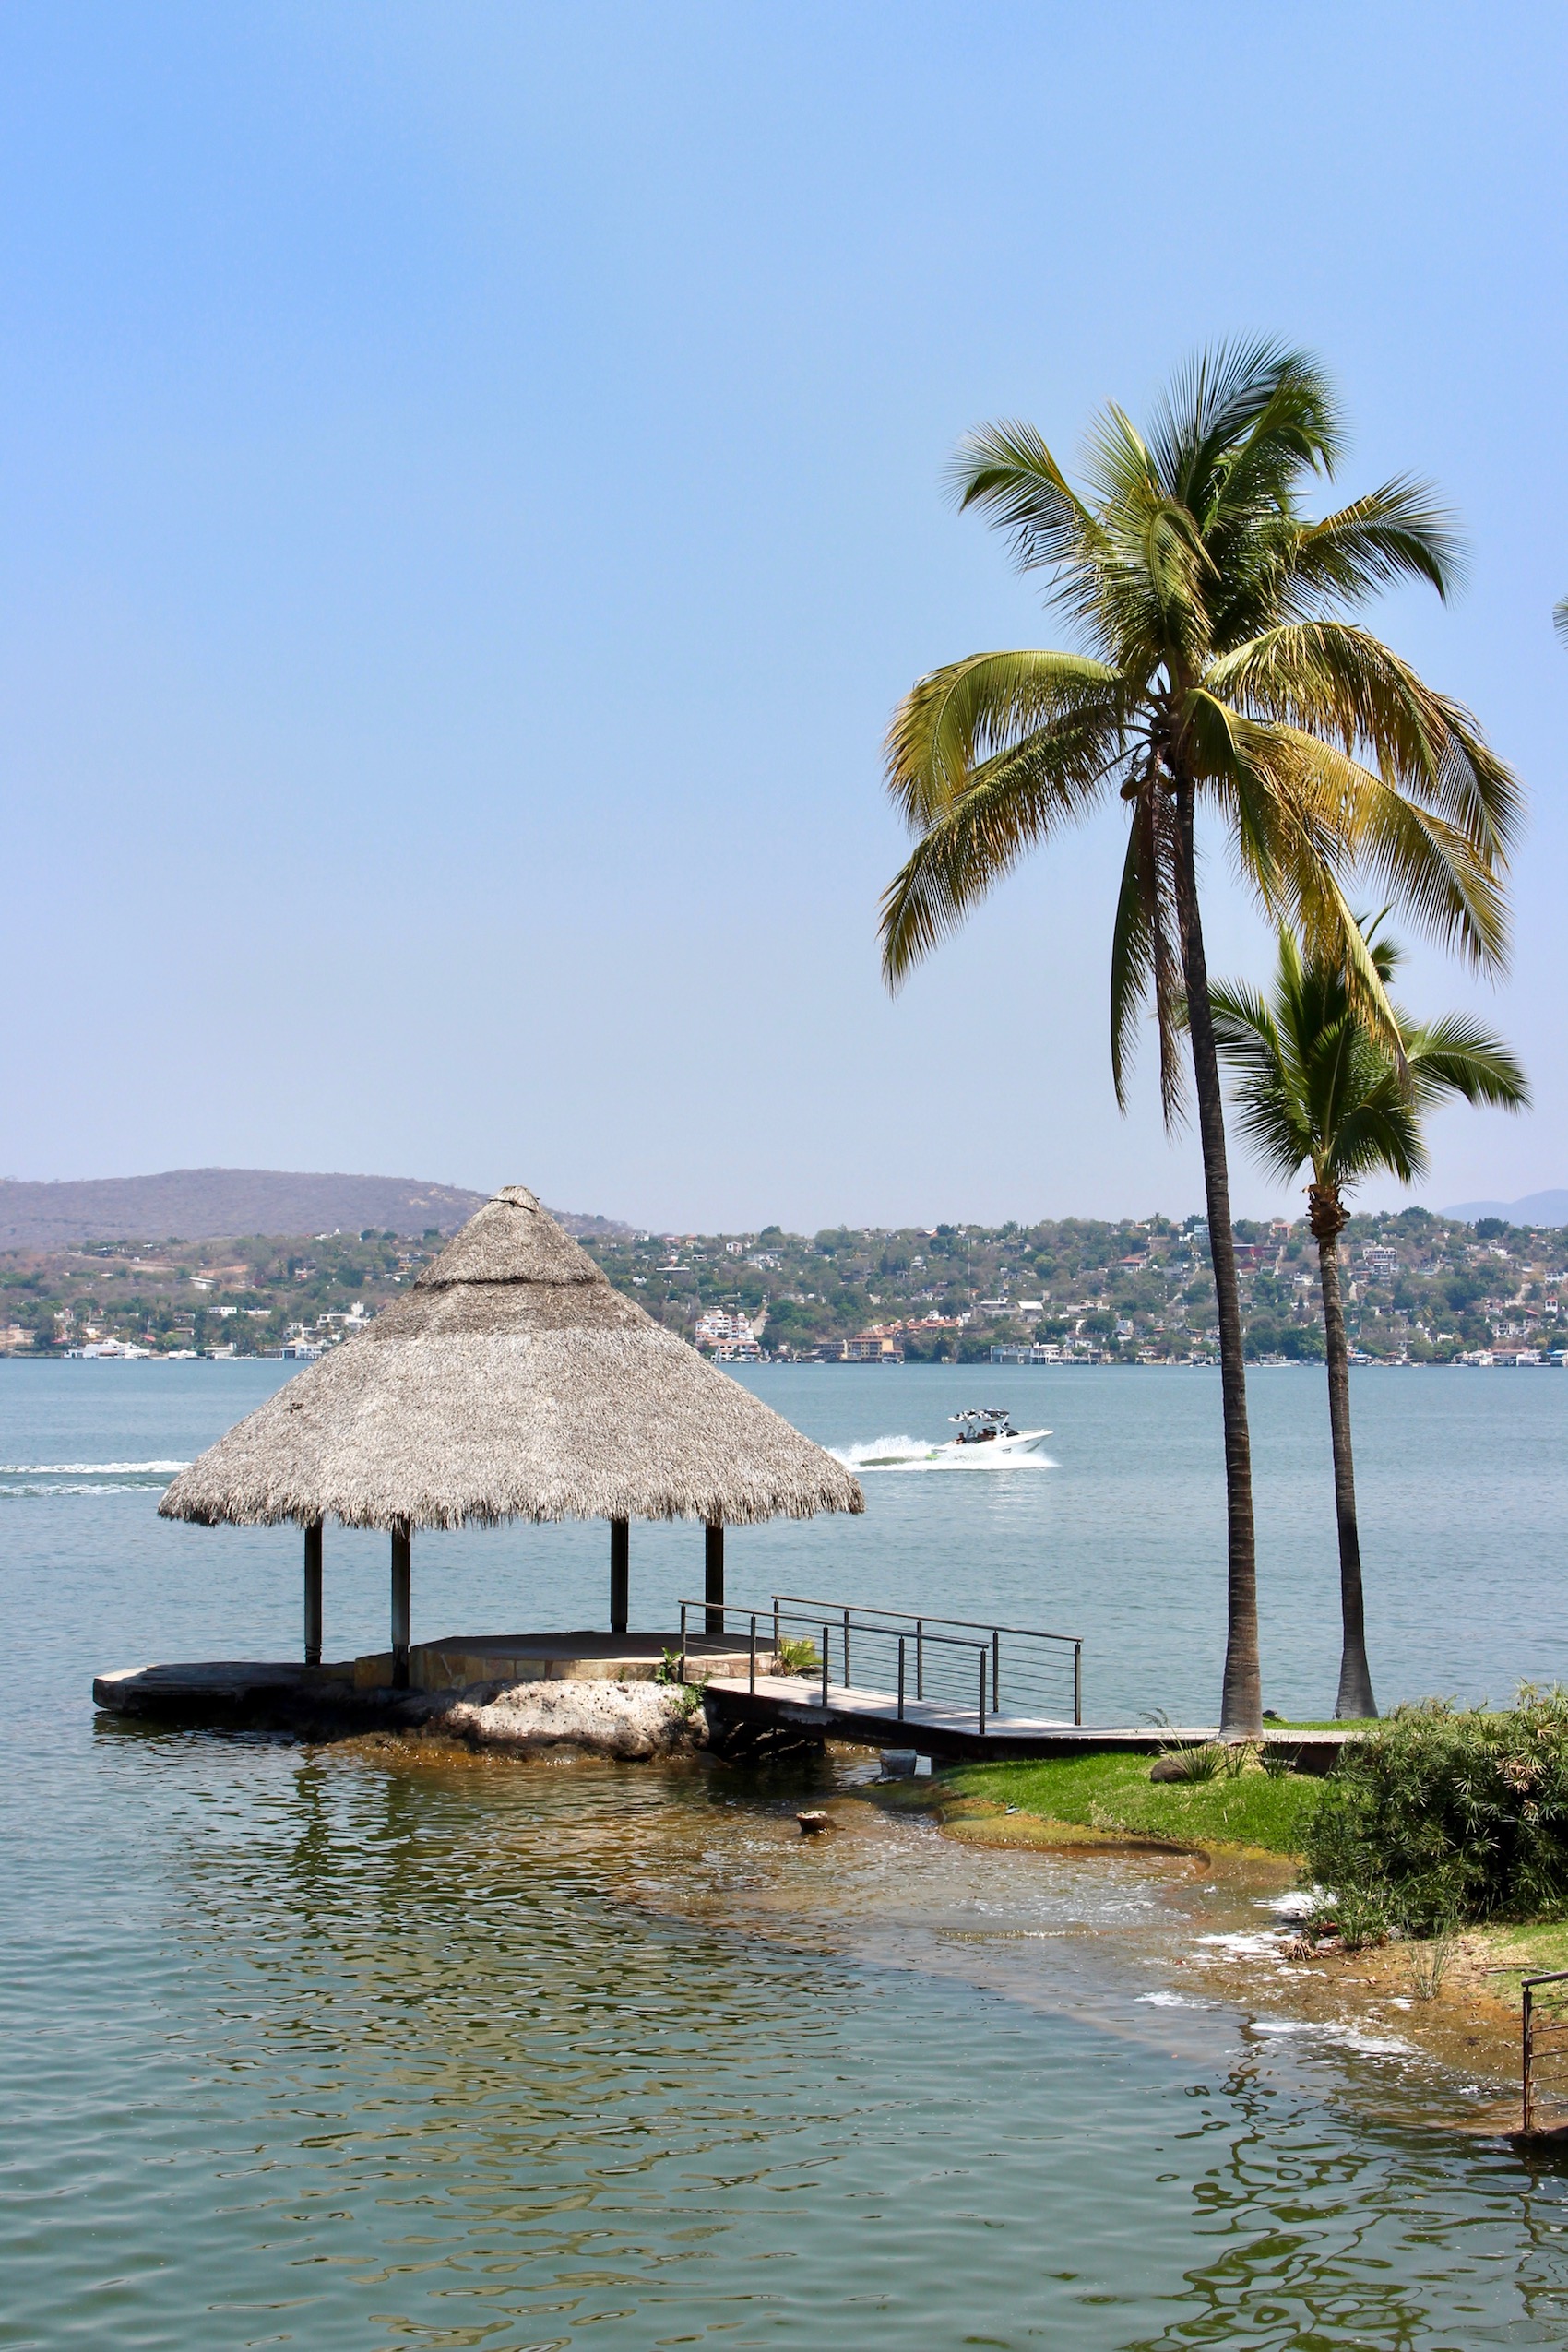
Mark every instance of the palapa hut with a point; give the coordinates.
(512, 1383)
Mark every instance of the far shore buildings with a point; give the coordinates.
(732, 1337)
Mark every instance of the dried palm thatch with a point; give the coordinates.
(512, 1383)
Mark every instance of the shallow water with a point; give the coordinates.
(352, 2047)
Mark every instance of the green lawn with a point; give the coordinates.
(1115, 1792)
(1528, 1951)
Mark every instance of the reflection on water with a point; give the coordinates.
(356, 2049)
(463, 2053)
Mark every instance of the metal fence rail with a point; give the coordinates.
(1552, 2019)
(1042, 1673)
(945, 1661)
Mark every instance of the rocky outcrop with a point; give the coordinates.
(631, 1721)
(576, 1716)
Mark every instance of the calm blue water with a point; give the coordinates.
(351, 2047)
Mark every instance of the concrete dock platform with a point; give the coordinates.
(356, 1695)
(283, 1694)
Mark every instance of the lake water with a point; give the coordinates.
(350, 2047)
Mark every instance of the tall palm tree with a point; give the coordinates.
(1215, 668)
(1319, 1086)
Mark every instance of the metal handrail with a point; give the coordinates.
(975, 1625)
(1530, 2026)
(866, 1612)
(984, 1652)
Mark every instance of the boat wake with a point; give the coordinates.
(84, 1469)
(20, 1480)
(905, 1453)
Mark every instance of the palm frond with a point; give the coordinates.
(1252, 1044)
(1330, 679)
(1007, 470)
(1145, 955)
(1010, 805)
(1432, 869)
(1378, 1131)
(1457, 1056)
(1315, 1081)
(954, 718)
(1398, 531)
(1234, 412)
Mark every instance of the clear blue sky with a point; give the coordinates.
(471, 498)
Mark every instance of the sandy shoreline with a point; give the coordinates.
(1371, 2000)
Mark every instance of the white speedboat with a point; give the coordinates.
(986, 1438)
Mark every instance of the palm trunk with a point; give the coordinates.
(1240, 1707)
(1355, 1698)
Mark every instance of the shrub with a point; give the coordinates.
(1446, 1814)
(1356, 1917)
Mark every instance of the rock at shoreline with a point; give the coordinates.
(632, 1721)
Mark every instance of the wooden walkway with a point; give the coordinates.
(865, 1717)
(327, 1701)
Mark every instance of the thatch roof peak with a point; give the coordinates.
(511, 1238)
(512, 1381)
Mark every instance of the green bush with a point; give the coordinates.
(1446, 1814)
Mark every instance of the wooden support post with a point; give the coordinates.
(313, 1592)
(713, 1580)
(620, 1575)
(400, 1548)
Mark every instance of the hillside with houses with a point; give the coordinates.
(1418, 1287)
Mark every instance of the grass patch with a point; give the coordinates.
(1111, 1792)
(1512, 1954)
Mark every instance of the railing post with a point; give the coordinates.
(982, 1694)
(1526, 2056)
(900, 1677)
(400, 1546)
(846, 1649)
(313, 1592)
(620, 1575)
(777, 1644)
(682, 1641)
(996, 1670)
(1077, 1682)
(824, 1634)
(713, 1579)
(753, 1683)
(919, 1658)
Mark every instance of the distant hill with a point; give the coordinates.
(203, 1204)
(1536, 1208)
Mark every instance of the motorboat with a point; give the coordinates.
(991, 1425)
(986, 1438)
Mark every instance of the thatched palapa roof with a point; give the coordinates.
(512, 1383)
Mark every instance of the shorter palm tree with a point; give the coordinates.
(1319, 1086)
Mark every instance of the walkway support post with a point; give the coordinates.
(620, 1575)
(401, 1542)
(313, 1592)
(713, 1580)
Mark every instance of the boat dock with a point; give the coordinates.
(872, 1719)
(791, 1670)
